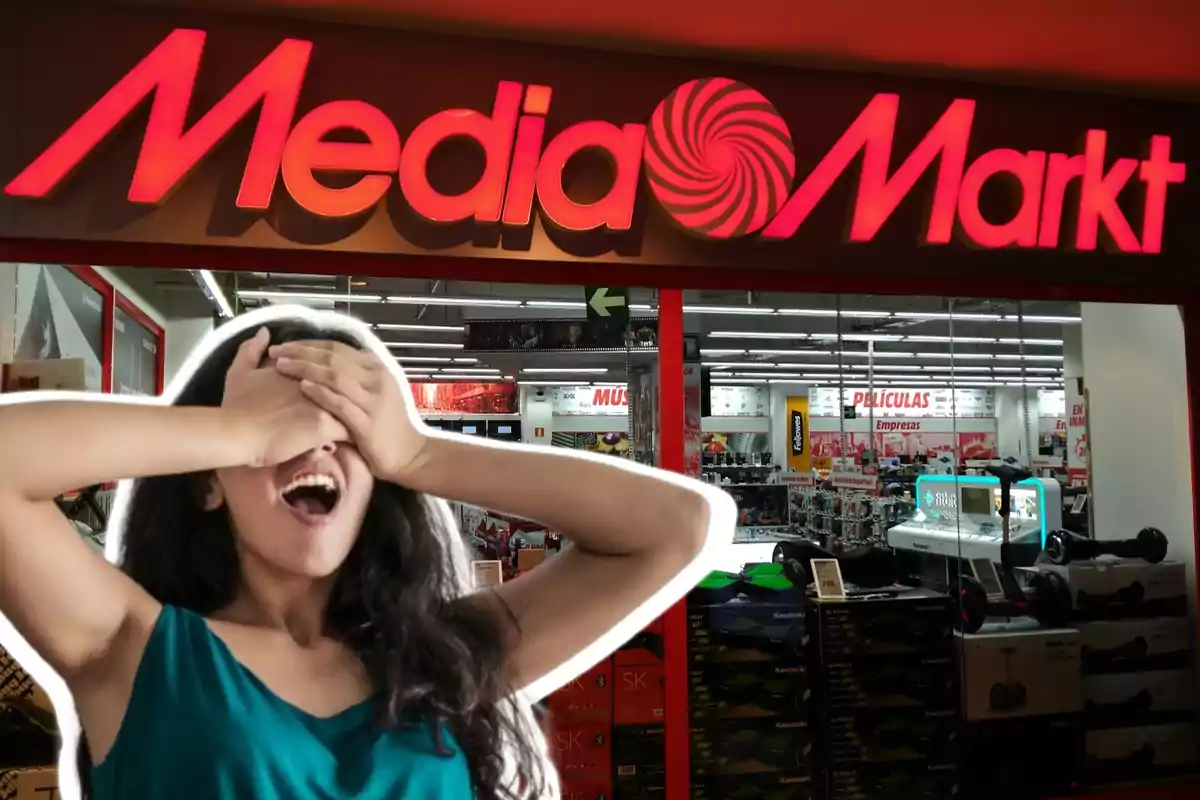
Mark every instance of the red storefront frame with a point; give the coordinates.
(671, 281)
(114, 299)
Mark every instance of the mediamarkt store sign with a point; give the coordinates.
(715, 155)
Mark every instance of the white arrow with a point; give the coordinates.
(601, 302)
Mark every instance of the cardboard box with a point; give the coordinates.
(1128, 697)
(590, 787)
(1136, 645)
(1020, 674)
(639, 695)
(580, 750)
(1118, 589)
(646, 648)
(1126, 754)
(588, 698)
(61, 374)
(35, 783)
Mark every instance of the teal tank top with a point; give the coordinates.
(201, 725)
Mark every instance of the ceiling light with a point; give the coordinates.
(424, 360)
(427, 345)
(469, 371)
(766, 374)
(466, 361)
(389, 326)
(553, 383)
(921, 315)
(212, 290)
(440, 300)
(321, 297)
(564, 371)
(1026, 357)
(796, 353)
(954, 339)
(858, 337)
(555, 304)
(833, 312)
(728, 310)
(1027, 318)
(1049, 342)
(755, 335)
(718, 353)
(737, 381)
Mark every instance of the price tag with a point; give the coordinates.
(827, 576)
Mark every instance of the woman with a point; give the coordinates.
(291, 619)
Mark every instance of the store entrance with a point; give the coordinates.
(965, 523)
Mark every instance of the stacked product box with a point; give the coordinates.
(886, 697)
(581, 718)
(749, 697)
(1138, 679)
(639, 698)
(1022, 734)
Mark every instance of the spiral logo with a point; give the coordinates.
(719, 158)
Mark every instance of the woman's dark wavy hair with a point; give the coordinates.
(391, 602)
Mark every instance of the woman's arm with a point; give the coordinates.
(65, 599)
(636, 531)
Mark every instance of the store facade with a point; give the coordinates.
(188, 141)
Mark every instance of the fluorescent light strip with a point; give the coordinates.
(213, 289)
(425, 360)
(797, 353)
(468, 371)
(1045, 342)
(946, 315)
(321, 297)
(389, 326)
(440, 300)
(427, 345)
(728, 310)
(564, 371)
(555, 304)
(553, 383)
(755, 335)
(833, 312)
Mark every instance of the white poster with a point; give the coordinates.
(589, 401)
(1052, 402)
(739, 401)
(825, 402)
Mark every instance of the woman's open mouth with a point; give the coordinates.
(312, 496)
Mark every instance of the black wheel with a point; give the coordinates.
(1052, 599)
(1153, 544)
(1056, 548)
(973, 603)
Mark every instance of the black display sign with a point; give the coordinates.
(541, 335)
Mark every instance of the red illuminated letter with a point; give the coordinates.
(1098, 193)
(1157, 172)
(873, 132)
(308, 153)
(483, 202)
(614, 211)
(1022, 229)
(168, 151)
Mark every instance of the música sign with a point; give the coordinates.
(715, 157)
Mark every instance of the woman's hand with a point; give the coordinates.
(359, 389)
(273, 410)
